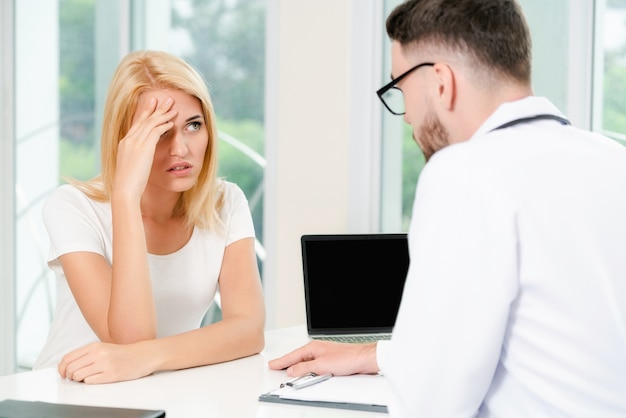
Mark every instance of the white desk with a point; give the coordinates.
(222, 390)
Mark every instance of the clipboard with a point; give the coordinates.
(356, 392)
(10, 408)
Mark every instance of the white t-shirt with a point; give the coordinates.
(515, 300)
(184, 282)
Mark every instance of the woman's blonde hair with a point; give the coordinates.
(138, 72)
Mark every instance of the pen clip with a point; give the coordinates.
(293, 380)
(306, 380)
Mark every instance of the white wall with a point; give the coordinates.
(320, 140)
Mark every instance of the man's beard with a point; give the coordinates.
(433, 136)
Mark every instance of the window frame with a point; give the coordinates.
(7, 190)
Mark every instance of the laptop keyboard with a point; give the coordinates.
(356, 339)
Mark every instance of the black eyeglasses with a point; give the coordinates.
(391, 96)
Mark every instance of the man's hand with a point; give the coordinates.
(322, 357)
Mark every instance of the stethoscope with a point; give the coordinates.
(533, 118)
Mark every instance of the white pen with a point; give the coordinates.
(308, 380)
(295, 379)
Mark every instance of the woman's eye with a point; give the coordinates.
(194, 126)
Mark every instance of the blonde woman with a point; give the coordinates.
(140, 251)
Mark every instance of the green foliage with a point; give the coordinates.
(77, 161)
(228, 39)
(78, 148)
(412, 164)
(239, 168)
(614, 106)
(614, 114)
(249, 132)
(77, 69)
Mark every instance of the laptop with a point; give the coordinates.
(353, 284)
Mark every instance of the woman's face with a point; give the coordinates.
(179, 154)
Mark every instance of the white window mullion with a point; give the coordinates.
(365, 117)
(7, 181)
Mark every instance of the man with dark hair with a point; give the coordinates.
(515, 299)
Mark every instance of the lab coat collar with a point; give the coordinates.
(523, 108)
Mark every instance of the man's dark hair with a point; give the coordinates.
(494, 32)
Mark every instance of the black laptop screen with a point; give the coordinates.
(353, 282)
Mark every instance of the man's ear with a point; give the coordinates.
(446, 85)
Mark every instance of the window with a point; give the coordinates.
(65, 56)
(609, 116)
(401, 159)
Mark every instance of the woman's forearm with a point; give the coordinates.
(222, 341)
(106, 363)
(132, 312)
